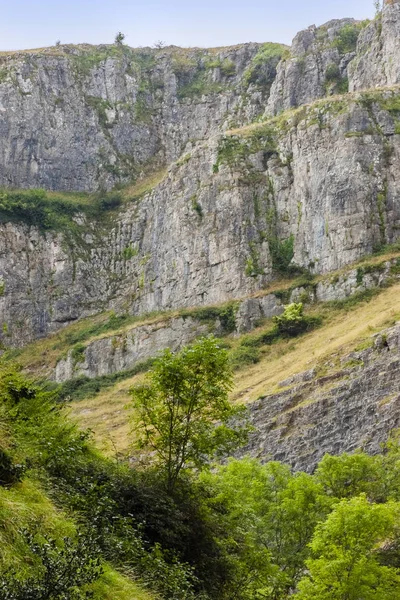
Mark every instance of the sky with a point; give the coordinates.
(206, 23)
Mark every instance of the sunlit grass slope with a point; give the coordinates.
(343, 331)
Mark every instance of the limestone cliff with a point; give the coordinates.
(81, 118)
(246, 195)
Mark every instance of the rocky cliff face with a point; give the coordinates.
(136, 344)
(377, 61)
(245, 195)
(81, 118)
(316, 65)
(353, 408)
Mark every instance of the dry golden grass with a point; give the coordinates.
(144, 185)
(107, 416)
(340, 336)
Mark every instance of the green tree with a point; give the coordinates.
(267, 518)
(183, 414)
(292, 321)
(346, 558)
(350, 475)
(119, 38)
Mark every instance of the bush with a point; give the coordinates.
(282, 253)
(225, 314)
(347, 38)
(244, 355)
(332, 72)
(293, 321)
(9, 472)
(61, 570)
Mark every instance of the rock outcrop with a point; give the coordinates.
(123, 351)
(353, 408)
(377, 63)
(316, 66)
(82, 118)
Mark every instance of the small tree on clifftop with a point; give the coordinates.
(119, 38)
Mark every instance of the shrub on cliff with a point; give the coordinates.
(293, 321)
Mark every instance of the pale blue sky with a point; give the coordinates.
(35, 23)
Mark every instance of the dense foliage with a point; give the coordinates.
(57, 212)
(242, 531)
(183, 413)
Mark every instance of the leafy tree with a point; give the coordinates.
(350, 475)
(345, 547)
(119, 38)
(269, 516)
(182, 411)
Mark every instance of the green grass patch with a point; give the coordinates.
(262, 70)
(113, 323)
(233, 150)
(226, 315)
(55, 211)
(346, 40)
(3, 75)
(113, 585)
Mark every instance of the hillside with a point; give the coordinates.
(155, 198)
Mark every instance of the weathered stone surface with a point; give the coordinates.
(121, 352)
(251, 310)
(302, 76)
(377, 62)
(82, 118)
(77, 118)
(355, 408)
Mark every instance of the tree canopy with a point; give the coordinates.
(183, 415)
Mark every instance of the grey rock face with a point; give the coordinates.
(120, 353)
(82, 118)
(323, 179)
(251, 310)
(358, 409)
(203, 237)
(316, 67)
(377, 63)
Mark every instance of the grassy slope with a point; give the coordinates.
(25, 504)
(343, 333)
(41, 356)
(344, 330)
(107, 414)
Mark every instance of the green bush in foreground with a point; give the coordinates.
(62, 571)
